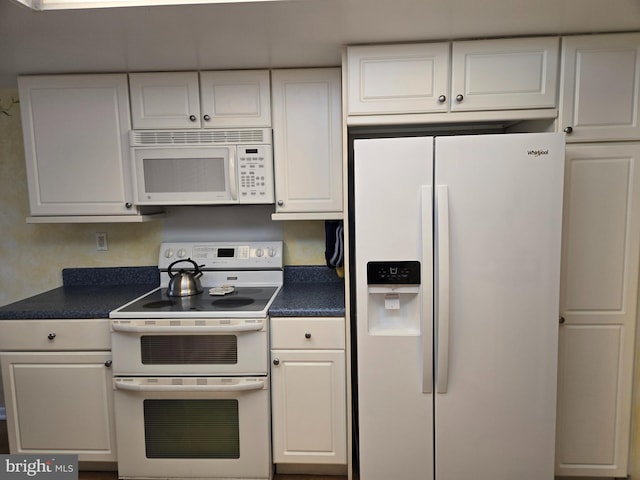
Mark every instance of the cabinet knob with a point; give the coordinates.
(459, 97)
(280, 203)
(307, 335)
(51, 336)
(568, 130)
(276, 361)
(128, 205)
(108, 363)
(442, 98)
(192, 118)
(206, 118)
(562, 320)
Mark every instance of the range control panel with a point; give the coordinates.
(227, 255)
(393, 273)
(255, 174)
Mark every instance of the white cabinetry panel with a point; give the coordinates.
(589, 380)
(504, 74)
(307, 141)
(75, 131)
(217, 99)
(601, 243)
(410, 78)
(308, 394)
(164, 100)
(59, 402)
(600, 97)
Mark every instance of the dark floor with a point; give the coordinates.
(4, 449)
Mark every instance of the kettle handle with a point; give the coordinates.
(197, 267)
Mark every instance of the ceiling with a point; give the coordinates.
(294, 33)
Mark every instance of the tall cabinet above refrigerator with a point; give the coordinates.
(456, 271)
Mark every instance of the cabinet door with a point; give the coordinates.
(307, 138)
(504, 74)
(387, 79)
(600, 98)
(59, 403)
(165, 100)
(235, 99)
(309, 406)
(601, 239)
(76, 148)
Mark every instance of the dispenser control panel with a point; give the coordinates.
(393, 273)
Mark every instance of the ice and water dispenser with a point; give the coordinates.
(394, 306)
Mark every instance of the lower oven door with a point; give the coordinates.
(189, 347)
(193, 427)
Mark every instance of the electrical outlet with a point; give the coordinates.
(101, 241)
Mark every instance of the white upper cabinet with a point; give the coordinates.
(75, 131)
(599, 99)
(224, 99)
(391, 79)
(165, 100)
(503, 74)
(447, 79)
(307, 143)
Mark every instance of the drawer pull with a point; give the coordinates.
(307, 335)
(51, 336)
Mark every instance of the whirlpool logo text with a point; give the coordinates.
(22, 467)
(537, 153)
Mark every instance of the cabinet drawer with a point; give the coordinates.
(89, 334)
(302, 333)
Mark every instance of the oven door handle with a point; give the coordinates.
(242, 387)
(250, 327)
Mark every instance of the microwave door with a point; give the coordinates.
(185, 176)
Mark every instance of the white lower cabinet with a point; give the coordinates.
(58, 401)
(308, 389)
(601, 248)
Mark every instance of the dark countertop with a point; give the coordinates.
(86, 293)
(309, 291)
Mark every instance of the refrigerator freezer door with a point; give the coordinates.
(393, 223)
(497, 417)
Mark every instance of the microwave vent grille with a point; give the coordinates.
(148, 138)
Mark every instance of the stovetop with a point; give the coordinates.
(253, 269)
(242, 299)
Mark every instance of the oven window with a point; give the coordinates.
(192, 428)
(189, 349)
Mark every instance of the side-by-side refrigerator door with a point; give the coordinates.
(499, 210)
(394, 303)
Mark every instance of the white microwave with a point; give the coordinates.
(202, 167)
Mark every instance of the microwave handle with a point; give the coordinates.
(233, 177)
(243, 387)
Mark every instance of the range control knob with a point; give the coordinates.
(259, 252)
(168, 253)
(182, 253)
(272, 252)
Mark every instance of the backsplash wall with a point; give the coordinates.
(32, 256)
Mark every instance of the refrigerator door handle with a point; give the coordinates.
(426, 197)
(442, 226)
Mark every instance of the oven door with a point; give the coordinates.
(189, 347)
(195, 427)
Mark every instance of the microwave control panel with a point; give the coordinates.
(255, 174)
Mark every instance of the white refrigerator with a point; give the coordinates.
(456, 274)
